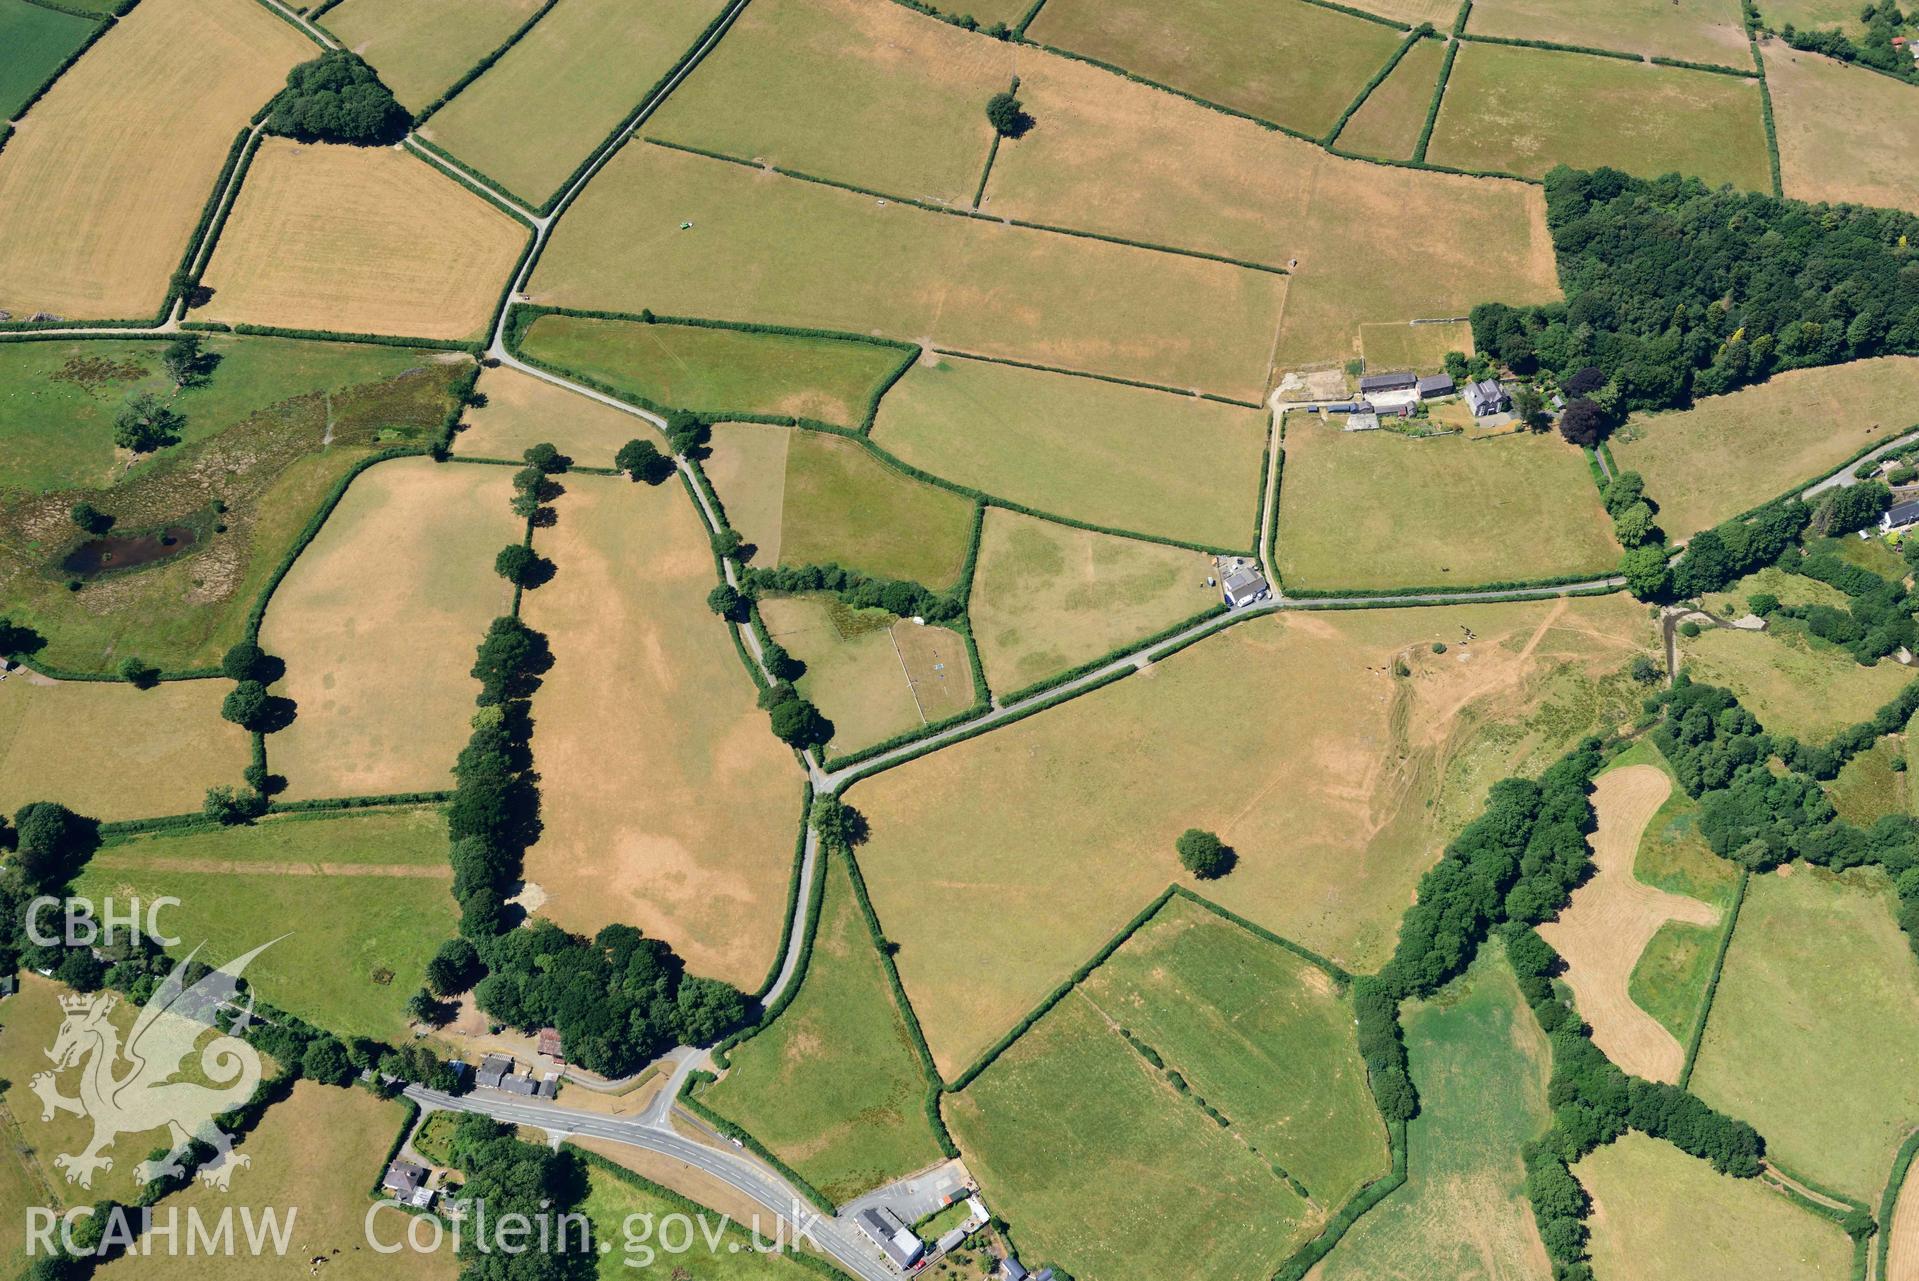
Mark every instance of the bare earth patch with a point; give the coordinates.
(1612, 918)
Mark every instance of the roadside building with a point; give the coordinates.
(493, 1070)
(1245, 587)
(1899, 516)
(893, 1237)
(1486, 397)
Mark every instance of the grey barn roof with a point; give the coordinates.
(1902, 514)
(1435, 384)
(1398, 380)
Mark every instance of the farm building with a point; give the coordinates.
(1435, 385)
(1899, 516)
(493, 1070)
(1400, 380)
(1487, 397)
(892, 1236)
(550, 1044)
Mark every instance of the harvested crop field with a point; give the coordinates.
(834, 1087)
(1288, 62)
(1661, 1215)
(1613, 918)
(856, 667)
(541, 109)
(719, 371)
(1262, 1036)
(1362, 242)
(378, 662)
(115, 752)
(1336, 788)
(1709, 31)
(647, 697)
(1793, 684)
(522, 411)
(1522, 111)
(1730, 453)
(1387, 125)
(1047, 597)
(859, 91)
(1122, 457)
(1902, 1262)
(1376, 509)
(359, 240)
(37, 41)
(98, 213)
(1833, 121)
(1480, 1064)
(1812, 1031)
(951, 281)
(421, 47)
(357, 902)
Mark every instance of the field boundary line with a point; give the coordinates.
(908, 674)
(958, 211)
(484, 188)
(486, 180)
(484, 65)
(324, 39)
(1188, 392)
(101, 25)
(1439, 87)
(1765, 112)
(1334, 970)
(1019, 30)
(1163, 87)
(1379, 77)
(992, 151)
(1706, 997)
(1889, 1199)
(1553, 46)
(1351, 12)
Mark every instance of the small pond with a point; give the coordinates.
(112, 552)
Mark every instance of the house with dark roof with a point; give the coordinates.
(1899, 516)
(1435, 385)
(1012, 1268)
(1244, 587)
(893, 1237)
(1487, 397)
(406, 1182)
(493, 1070)
(1398, 380)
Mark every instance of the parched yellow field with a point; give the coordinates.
(105, 177)
(871, 674)
(1728, 453)
(377, 659)
(1421, 348)
(115, 752)
(1833, 123)
(783, 251)
(1692, 30)
(667, 801)
(420, 47)
(1791, 686)
(1363, 242)
(359, 240)
(1335, 780)
(1387, 124)
(542, 109)
(522, 410)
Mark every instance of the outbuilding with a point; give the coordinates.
(1398, 380)
(1436, 385)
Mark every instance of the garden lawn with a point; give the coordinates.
(1730, 453)
(1669, 980)
(834, 1087)
(37, 41)
(858, 91)
(319, 1150)
(631, 1216)
(1833, 121)
(1480, 1064)
(1813, 1029)
(522, 411)
(1123, 457)
(541, 109)
(1388, 123)
(963, 283)
(378, 662)
(1661, 1215)
(358, 903)
(98, 213)
(1288, 62)
(1288, 735)
(1709, 31)
(114, 752)
(1362, 242)
(1375, 509)
(1072, 1107)
(360, 240)
(855, 673)
(719, 371)
(1047, 597)
(648, 697)
(1794, 684)
(1522, 111)
(421, 47)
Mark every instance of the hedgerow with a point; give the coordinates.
(481, 67)
(689, 1100)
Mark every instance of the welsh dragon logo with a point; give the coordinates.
(130, 1089)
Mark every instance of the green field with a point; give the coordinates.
(1793, 683)
(1082, 304)
(421, 47)
(628, 1215)
(1261, 1036)
(1048, 597)
(1664, 1216)
(542, 109)
(273, 430)
(37, 41)
(1869, 786)
(1522, 111)
(1376, 509)
(1122, 457)
(718, 371)
(1387, 125)
(850, 90)
(834, 1087)
(861, 667)
(1480, 1064)
(1730, 453)
(1669, 979)
(361, 900)
(1421, 348)
(1735, 599)
(1709, 31)
(1672, 855)
(1811, 1031)
(1289, 62)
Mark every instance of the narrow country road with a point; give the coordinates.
(1844, 477)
